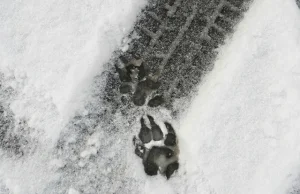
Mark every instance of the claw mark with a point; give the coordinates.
(145, 133)
(156, 131)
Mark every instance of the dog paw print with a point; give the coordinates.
(136, 79)
(158, 151)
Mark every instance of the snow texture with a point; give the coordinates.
(240, 135)
(50, 51)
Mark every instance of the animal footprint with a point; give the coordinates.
(135, 79)
(158, 151)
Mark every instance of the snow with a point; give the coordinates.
(73, 191)
(29, 175)
(240, 134)
(50, 51)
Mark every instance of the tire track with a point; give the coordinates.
(173, 44)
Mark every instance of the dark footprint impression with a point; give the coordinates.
(162, 159)
(135, 79)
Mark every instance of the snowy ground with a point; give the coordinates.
(50, 51)
(241, 134)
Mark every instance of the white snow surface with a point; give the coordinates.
(50, 51)
(240, 134)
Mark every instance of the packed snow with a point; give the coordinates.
(240, 134)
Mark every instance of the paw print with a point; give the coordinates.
(136, 79)
(158, 151)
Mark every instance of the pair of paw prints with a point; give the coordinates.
(135, 79)
(158, 151)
